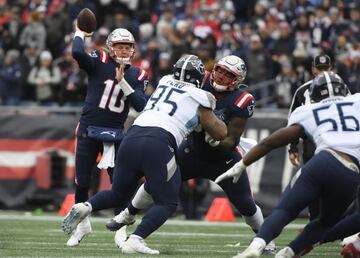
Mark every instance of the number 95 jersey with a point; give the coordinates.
(173, 107)
(332, 123)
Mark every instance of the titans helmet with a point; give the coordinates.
(189, 68)
(327, 85)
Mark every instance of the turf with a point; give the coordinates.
(40, 236)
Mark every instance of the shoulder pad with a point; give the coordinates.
(243, 100)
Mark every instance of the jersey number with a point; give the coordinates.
(345, 120)
(168, 99)
(112, 92)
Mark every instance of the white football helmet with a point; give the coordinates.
(120, 52)
(228, 73)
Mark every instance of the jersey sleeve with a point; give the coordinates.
(85, 60)
(204, 98)
(243, 106)
(298, 116)
(138, 80)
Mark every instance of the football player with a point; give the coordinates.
(113, 86)
(331, 175)
(148, 149)
(201, 157)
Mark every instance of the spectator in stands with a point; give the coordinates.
(34, 33)
(285, 84)
(11, 30)
(10, 79)
(57, 25)
(45, 77)
(73, 80)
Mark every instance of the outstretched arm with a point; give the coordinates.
(277, 139)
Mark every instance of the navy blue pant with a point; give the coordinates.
(149, 152)
(322, 177)
(348, 226)
(87, 151)
(192, 165)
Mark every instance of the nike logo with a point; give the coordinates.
(228, 161)
(111, 133)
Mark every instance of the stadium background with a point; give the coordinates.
(277, 40)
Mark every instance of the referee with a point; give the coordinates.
(301, 97)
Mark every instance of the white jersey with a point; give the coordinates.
(332, 123)
(173, 107)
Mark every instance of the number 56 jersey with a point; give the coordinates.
(173, 107)
(332, 123)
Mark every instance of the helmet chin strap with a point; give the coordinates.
(219, 87)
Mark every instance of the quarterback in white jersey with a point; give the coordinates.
(148, 149)
(332, 175)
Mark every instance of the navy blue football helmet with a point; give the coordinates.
(189, 68)
(327, 85)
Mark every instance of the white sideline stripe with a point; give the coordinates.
(169, 222)
(28, 158)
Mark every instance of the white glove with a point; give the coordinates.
(209, 140)
(234, 172)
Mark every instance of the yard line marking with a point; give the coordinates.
(174, 222)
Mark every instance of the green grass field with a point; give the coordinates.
(41, 236)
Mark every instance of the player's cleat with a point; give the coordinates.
(250, 252)
(350, 251)
(120, 237)
(120, 220)
(270, 249)
(136, 244)
(82, 230)
(77, 213)
(349, 240)
(286, 252)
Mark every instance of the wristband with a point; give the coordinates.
(79, 34)
(125, 87)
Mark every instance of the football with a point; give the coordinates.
(86, 20)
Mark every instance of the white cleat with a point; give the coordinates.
(286, 252)
(120, 237)
(122, 219)
(270, 249)
(82, 230)
(77, 213)
(136, 244)
(349, 239)
(249, 252)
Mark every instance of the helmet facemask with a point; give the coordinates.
(122, 52)
(121, 45)
(223, 79)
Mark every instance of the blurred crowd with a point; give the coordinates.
(276, 38)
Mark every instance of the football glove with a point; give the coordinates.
(209, 140)
(235, 172)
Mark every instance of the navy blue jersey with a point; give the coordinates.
(229, 104)
(105, 104)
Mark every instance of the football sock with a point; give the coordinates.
(255, 221)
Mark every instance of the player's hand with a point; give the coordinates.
(209, 140)
(235, 172)
(294, 158)
(86, 34)
(120, 71)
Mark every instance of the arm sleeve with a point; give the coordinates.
(138, 97)
(84, 60)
